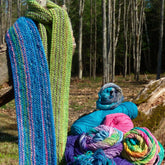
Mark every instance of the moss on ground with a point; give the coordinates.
(152, 121)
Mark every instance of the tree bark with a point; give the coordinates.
(91, 39)
(1, 22)
(104, 43)
(95, 42)
(18, 8)
(160, 40)
(125, 21)
(81, 10)
(109, 40)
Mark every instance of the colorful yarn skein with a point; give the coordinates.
(140, 146)
(120, 121)
(94, 119)
(90, 158)
(36, 132)
(73, 150)
(110, 96)
(102, 137)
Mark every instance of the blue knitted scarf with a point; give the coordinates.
(37, 144)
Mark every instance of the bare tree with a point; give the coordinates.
(125, 21)
(137, 20)
(18, 8)
(160, 40)
(91, 38)
(109, 48)
(105, 80)
(95, 42)
(115, 35)
(81, 10)
(148, 55)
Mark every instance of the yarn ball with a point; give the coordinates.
(140, 146)
(94, 119)
(120, 161)
(110, 96)
(102, 137)
(72, 148)
(160, 154)
(90, 158)
(120, 121)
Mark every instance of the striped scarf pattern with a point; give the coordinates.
(55, 28)
(37, 144)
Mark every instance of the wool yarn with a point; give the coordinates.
(160, 154)
(120, 161)
(36, 132)
(120, 121)
(90, 158)
(110, 96)
(140, 146)
(72, 148)
(94, 119)
(102, 137)
(55, 28)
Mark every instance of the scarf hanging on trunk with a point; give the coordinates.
(55, 28)
(34, 112)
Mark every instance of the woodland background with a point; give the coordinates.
(113, 37)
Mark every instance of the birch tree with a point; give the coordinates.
(81, 10)
(160, 40)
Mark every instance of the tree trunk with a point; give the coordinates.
(18, 8)
(104, 43)
(148, 56)
(125, 21)
(160, 41)
(81, 9)
(9, 15)
(1, 22)
(109, 40)
(116, 32)
(91, 43)
(95, 42)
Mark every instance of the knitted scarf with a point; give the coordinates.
(55, 29)
(34, 112)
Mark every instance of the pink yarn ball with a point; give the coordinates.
(120, 121)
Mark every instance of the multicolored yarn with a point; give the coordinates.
(110, 96)
(96, 118)
(72, 148)
(54, 23)
(160, 154)
(120, 121)
(120, 161)
(102, 137)
(34, 113)
(90, 158)
(140, 146)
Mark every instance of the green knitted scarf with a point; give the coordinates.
(55, 30)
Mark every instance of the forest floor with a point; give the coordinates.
(82, 100)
